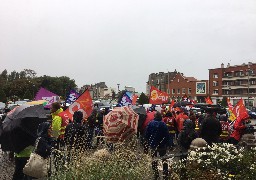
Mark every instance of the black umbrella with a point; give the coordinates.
(142, 115)
(19, 128)
(181, 103)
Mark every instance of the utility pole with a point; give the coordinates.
(248, 84)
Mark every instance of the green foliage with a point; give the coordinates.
(28, 95)
(143, 99)
(221, 161)
(25, 84)
(2, 95)
(224, 102)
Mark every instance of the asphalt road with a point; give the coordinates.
(6, 167)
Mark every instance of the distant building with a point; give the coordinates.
(130, 89)
(235, 82)
(177, 85)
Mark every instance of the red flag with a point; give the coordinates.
(208, 100)
(240, 110)
(83, 103)
(230, 106)
(134, 99)
(157, 96)
(171, 105)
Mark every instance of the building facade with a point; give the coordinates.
(177, 85)
(234, 82)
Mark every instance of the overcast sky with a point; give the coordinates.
(120, 41)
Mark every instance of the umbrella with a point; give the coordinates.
(142, 115)
(19, 128)
(150, 117)
(43, 102)
(120, 124)
(181, 103)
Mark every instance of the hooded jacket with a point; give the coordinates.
(187, 135)
(157, 134)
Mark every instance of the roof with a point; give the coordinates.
(191, 78)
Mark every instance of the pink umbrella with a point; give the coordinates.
(120, 124)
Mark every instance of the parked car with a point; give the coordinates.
(252, 113)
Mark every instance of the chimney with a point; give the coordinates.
(228, 65)
(222, 65)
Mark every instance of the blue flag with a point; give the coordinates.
(126, 99)
(72, 96)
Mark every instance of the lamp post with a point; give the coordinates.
(248, 85)
(118, 87)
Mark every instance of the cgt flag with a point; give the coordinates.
(157, 96)
(134, 99)
(240, 111)
(83, 103)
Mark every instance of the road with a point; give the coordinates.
(6, 167)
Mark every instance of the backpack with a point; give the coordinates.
(186, 138)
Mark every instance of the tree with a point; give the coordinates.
(143, 99)
(2, 95)
(224, 102)
(28, 95)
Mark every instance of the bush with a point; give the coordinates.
(221, 161)
(126, 162)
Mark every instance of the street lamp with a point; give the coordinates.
(118, 87)
(248, 84)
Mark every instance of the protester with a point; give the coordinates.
(211, 130)
(44, 141)
(99, 126)
(225, 128)
(187, 135)
(58, 126)
(172, 126)
(75, 132)
(158, 139)
(90, 126)
(239, 130)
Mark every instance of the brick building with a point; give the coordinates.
(177, 85)
(235, 82)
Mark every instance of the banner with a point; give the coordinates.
(126, 99)
(157, 96)
(72, 96)
(44, 94)
(83, 103)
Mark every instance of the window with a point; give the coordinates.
(178, 80)
(216, 91)
(168, 91)
(178, 91)
(183, 91)
(215, 75)
(189, 90)
(215, 83)
(173, 91)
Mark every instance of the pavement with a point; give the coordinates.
(6, 166)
